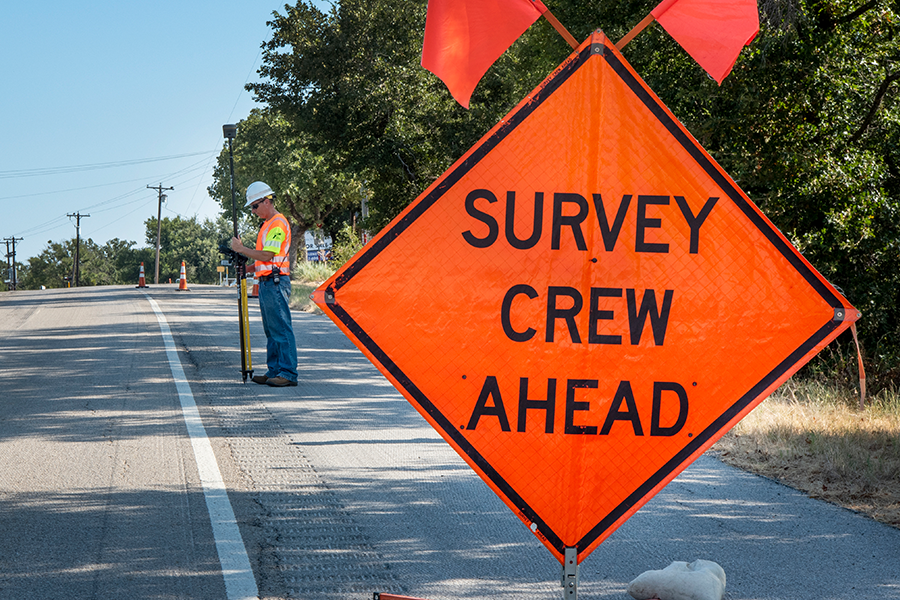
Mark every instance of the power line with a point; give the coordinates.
(228, 120)
(128, 214)
(78, 189)
(90, 167)
(203, 164)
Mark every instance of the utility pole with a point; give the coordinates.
(78, 216)
(159, 188)
(11, 262)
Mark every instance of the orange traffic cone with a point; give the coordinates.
(142, 283)
(182, 283)
(251, 275)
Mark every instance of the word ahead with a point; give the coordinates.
(490, 391)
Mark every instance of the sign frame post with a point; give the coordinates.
(570, 574)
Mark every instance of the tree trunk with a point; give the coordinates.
(298, 244)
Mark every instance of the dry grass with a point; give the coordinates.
(307, 276)
(817, 440)
(300, 291)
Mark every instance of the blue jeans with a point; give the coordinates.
(281, 347)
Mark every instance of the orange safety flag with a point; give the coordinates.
(463, 38)
(713, 32)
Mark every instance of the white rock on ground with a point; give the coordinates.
(699, 580)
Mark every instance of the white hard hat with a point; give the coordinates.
(257, 191)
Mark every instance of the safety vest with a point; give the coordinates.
(274, 236)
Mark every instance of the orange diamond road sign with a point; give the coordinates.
(584, 303)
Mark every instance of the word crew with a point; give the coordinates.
(565, 303)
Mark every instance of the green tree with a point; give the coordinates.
(308, 191)
(195, 243)
(114, 263)
(54, 266)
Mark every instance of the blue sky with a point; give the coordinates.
(100, 97)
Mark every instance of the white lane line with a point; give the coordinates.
(239, 581)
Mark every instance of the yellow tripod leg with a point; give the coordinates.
(245, 330)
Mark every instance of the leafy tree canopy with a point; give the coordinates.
(188, 240)
(311, 193)
(113, 263)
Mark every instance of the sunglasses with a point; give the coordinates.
(255, 206)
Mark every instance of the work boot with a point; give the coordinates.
(280, 382)
(260, 379)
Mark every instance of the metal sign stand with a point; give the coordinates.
(570, 574)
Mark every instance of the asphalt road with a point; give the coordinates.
(339, 487)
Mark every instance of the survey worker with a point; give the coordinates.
(273, 272)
